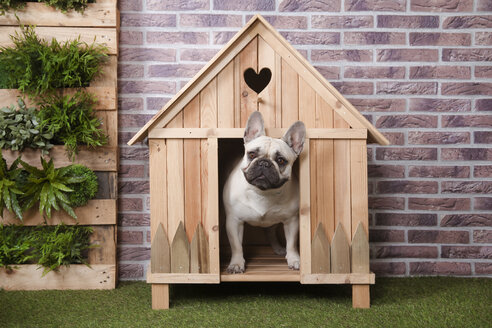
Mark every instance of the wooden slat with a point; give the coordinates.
(211, 223)
(105, 238)
(237, 92)
(97, 159)
(290, 95)
(109, 120)
(361, 297)
(343, 212)
(180, 251)
(158, 184)
(107, 37)
(226, 97)
(208, 105)
(313, 175)
(109, 74)
(199, 252)
(160, 296)
(76, 276)
(180, 278)
(160, 252)
(307, 104)
(267, 98)
(248, 58)
(100, 14)
(320, 252)
(96, 212)
(183, 133)
(175, 179)
(305, 210)
(340, 278)
(358, 176)
(360, 251)
(192, 186)
(340, 251)
(278, 91)
(262, 276)
(108, 185)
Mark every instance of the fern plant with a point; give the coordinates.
(15, 245)
(9, 187)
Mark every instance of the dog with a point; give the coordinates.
(262, 191)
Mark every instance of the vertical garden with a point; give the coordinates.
(58, 140)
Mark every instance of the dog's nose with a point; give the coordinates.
(264, 163)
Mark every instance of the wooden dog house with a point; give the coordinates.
(184, 140)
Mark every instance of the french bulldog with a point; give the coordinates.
(262, 191)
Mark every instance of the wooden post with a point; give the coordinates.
(360, 297)
(360, 264)
(160, 296)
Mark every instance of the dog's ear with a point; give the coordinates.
(254, 128)
(295, 137)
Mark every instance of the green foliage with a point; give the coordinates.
(49, 187)
(9, 187)
(72, 121)
(62, 5)
(82, 191)
(36, 66)
(49, 246)
(20, 128)
(6, 5)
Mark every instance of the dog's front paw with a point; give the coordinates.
(293, 262)
(235, 268)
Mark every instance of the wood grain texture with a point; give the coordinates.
(158, 185)
(226, 97)
(248, 58)
(104, 237)
(340, 251)
(361, 298)
(267, 97)
(342, 192)
(160, 252)
(199, 252)
(180, 251)
(360, 251)
(211, 223)
(290, 95)
(208, 105)
(320, 251)
(160, 296)
(305, 210)
(359, 192)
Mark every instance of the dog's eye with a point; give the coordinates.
(251, 155)
(281, 161)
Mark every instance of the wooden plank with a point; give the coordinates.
(199, 252)
(192, 186)
(175, 179)
(108, 77)
(226, 97)
(262, 276)
(267, 98)
(100, 14)
(278, 91)
(290, 95)
(106, 189)
(340, 278)
(105, 238)
(96, 212)
(211, 223)
(107, 37)
(98, 159)
(109, 120)
(307, 104)
(340, 251)
(361, 298)
(160, 252)
(360, 251)
(305, 210)
(106, 97)
(237, 92)
(341, 175)
(76, 276)
(320, 252)
(248, 58)
(184, 133)
(180, 278)
(158, 184)
(160, 296)
(313, 174)
(180, 251)
(359, 193)
(208, 105)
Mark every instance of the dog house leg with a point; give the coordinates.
(360, 297)
(160, 296)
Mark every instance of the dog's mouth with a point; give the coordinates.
(264, 178)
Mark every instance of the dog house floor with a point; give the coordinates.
(261, 265)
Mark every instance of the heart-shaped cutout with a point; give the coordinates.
(257, 82)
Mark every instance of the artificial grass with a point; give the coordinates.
(396, 302)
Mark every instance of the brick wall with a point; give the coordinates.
(418, 69)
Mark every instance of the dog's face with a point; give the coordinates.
(267, 162)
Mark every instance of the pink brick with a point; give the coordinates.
(341, 55)
(156, 103)
(130, 5)
(331, 22)
(466, 252)
(483, 38)
(133, 220)
(375, 5)
(387, 203)
(130, 271)
(467, 88)
(223, 37)
(482, 171)
(466, 187)
(329, 72)
(147, 54)
(440, 39)
(375, 72)
(310, 5)
(283, 21)
(483, 105)
(406, 219)
(483, 268)
(439, 204)
(354, 88)
(467, 220)
(439, 105)
(440, 72)
(439, 171)
(478, 121)
(482, 236)
(158, 87)
(134, 253)
(387, 268)
(130, 103)
(154, 20)
(378, 105)
(363, 38)
(409, 22)
(133, 38)
(440, 268)
(172, 5)
(131, 171)
(395, 138)
(130, 237)
(386, 171)
(484, 5)
(210, 20)
(466, 154)
(484, 72)
(174, 70)
(203, 55)
(134, 187)
(312, 38)
(407, 187)
(483, 203)
(124, 137)
(406, 154)
(130, 204)
(406, 88)
(407, 121)
(459, 55)
(438, 138)
(441, 5)
(130, 71)
(133, 120)
(406, 252)
(134, 153)
(248, 5)
(407, 55)
(468, 22)
(438, 237)
(177, 37)
(386, 236)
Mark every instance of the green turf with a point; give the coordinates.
(396, 302)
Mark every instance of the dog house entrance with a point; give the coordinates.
(262, 264)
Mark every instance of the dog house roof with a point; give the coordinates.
(259, 26)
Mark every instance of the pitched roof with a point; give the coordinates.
(259, 26)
